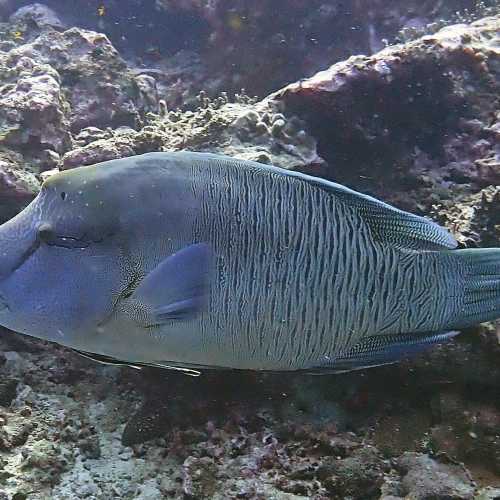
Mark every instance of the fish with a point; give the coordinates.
(191, 261)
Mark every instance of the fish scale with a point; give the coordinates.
(200, 260)
(330, 318)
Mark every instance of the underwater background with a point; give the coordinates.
(396, 98)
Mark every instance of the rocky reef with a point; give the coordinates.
(415, 123)
(226, 45)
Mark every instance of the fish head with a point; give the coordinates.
(60, 259)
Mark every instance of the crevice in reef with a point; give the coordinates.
(372, 124)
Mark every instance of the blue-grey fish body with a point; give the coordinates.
(197, 260)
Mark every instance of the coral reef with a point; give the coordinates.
(285, 40)
(18, 184)
(32, 106)
(475, 218)
(242, 129)
(427, 478)
(101, 90)
(416, 118)
(36, 15)
(64, 81)
(244, 436)
(415, 123)
(227, 43)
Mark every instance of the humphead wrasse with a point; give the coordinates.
(191, 260)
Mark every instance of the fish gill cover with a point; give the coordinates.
(415, 124)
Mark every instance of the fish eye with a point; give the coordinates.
(63, 195)
(45, 233)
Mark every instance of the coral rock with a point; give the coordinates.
(199, 477)
(37, 14)
(18, 185)
(101, 89)
(425, 478)
(32, 109)
(372, 112)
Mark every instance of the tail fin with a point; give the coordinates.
(481, 277)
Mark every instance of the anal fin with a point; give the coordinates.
(380, 350)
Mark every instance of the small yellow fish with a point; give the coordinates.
(18, 35)
(101, 11)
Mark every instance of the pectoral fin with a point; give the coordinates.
(178, 288)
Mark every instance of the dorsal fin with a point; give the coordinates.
(390, 224)
(387, 223)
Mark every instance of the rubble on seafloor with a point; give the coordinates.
(416, 124)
